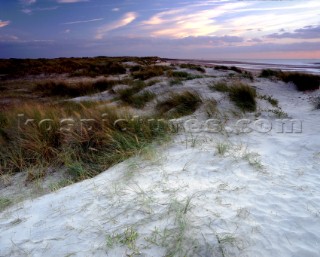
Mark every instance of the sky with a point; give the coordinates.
(206, 29)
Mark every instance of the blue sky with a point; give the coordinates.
(207, 29)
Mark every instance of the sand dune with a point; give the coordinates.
(201, 194)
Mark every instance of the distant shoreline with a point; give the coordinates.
(254, 66)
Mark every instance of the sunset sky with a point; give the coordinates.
(206, 29)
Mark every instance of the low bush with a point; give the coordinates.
(267, 73)
(135, 68)
(147, 72)
(182, 75)
(64, 89)
(90, 67)
(104, 84)
(192, 67)
(99, 68)
(179, 104)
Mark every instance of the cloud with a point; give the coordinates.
(115, 9)
(124, 21)
(84, 21)
(4, 23)
(71, 1)
(208, 41)
(191, 20)
(8, 38)
(308, 32)
(147, 46)
(255, 40)
(237, 18)
(28, 2)
(30, 11)
(26, 11)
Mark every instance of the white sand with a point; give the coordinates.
(259, 198)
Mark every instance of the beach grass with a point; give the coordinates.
(221, 86)
(85, 140)
(179, 104)
(244, 97)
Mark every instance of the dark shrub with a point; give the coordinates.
(221, 67)
(235, 69)
(102, 85)
(303, 81)
(60, 88)
(135, 68)
(267, 73)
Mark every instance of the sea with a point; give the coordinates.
(301, 65)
